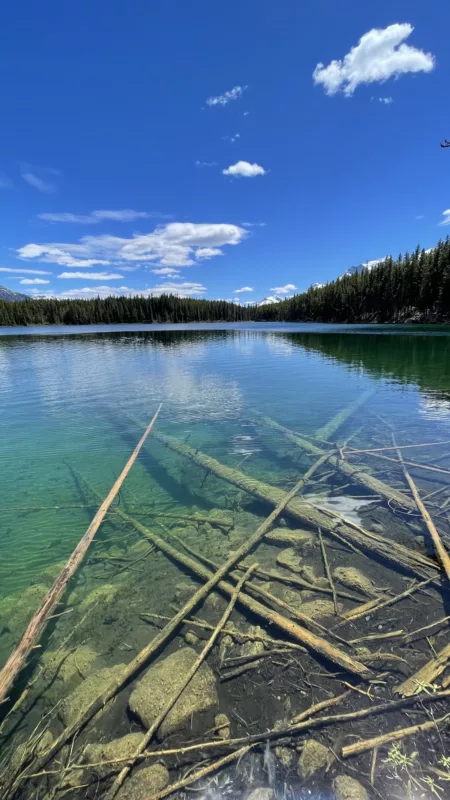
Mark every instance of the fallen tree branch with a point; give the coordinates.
(426, 675)
(18, 657)
(328, 430)
(394, 736)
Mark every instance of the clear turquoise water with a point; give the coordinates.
(64, 392)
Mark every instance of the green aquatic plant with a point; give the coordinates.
(397, 758)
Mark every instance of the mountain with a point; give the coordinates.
(270, 300)
(369, 265)
(8, 294)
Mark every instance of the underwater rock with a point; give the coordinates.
(105, 594)
(315, 609)
(183, 591)
(292, 598)
(161, 681)
(191, 638)
(289, 559)
(86, 692)
(285, 756)
(252, 648)
(222, 722)
(352, 578)
(346, 788)
(144, 782)
(66, 668)
(108, 751)
(49, 575)
(16, 612)
(261, 794)
(309, 574)
(44, 742)
(226, 644)
(298, 538)
(376, 527)
(314, 757)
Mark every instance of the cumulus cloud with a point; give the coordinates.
(223, 99)
(177, 244)
(186, 289)
(445, 217)
(289, 287)
(243, 169)
(95, 217)
(30, 281)
(244, 289)
(170, 271)
(38, 177)
(379, 55)
(92, 276)
(25, 271)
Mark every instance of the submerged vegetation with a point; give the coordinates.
(414, 287)
(205, 647)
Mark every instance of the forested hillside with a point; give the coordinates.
(413, 287)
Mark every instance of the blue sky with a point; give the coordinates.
(203, 147)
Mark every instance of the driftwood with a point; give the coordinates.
(38, 622)
(171, 702)
(299, 510)
(440, 549)
(328, 430)
(393, 736)
(426, 675)
(355, 473)
(377, 604)
(147, 652)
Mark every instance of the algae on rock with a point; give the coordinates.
(86, 692)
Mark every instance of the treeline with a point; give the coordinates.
(413, 287)
(125, 310)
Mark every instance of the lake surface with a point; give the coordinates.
(74, 402)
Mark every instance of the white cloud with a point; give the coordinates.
(246, 113)
(177, 244)
(25, 271)
(244, 289)
(95, 217)
(205, 253)
(386, 100)
(232, 139)
(30, 281)
(166, 271)
(289, 287)
(253, 224)
(38, 177)
(185, 289)
(92, 276)
(243, 169)
(224, 99)
(379, 55)
(445, 217)
(206, 163)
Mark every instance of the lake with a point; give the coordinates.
(74, 402)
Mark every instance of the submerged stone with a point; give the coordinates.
(356, 580)
(253, 647)
(222, 724)
(86, 692)
(298, 538)
(316, 609)
(346, 788)
(108, 751)
(261, 794)
(314, 757)
(144, 782)
(105, 594)
(289, 559)
(285, 756)
(17, 611)
(161, 681)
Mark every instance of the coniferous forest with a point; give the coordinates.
(414, 287)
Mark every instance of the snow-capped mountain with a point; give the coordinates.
(269, 300)
(368, 265)
(8, 294)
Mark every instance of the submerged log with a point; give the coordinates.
(355, 473)
(299, 510)
(328, 430)
(426, 675)
(38, 622)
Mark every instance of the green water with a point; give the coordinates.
(66, 400)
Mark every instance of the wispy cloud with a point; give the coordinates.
(38, 177)
(177, 244)
(206, 163)
(30, 281)
(223, 99)
(232, 138)
(91, 276)
(170, 271)
(379, 55)
(11, 271)
(445, 217)
(289, 287)
(385, 100)
(185, 289)
(244, 289)
(95, 217)
(253, 224)
(243, 169)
